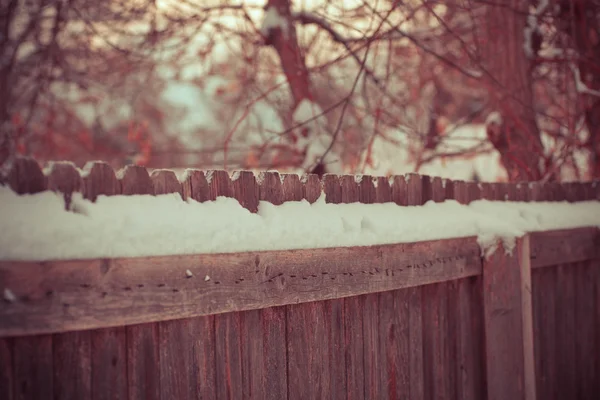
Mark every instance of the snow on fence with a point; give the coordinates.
(430, 319)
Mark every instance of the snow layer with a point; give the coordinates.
(36, 227)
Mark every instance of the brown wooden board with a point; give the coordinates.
(252, 345)
(135, 180)
(143, 372)
(245, 190)
(585, 334)
(564, 246)
(292, 187)
(400, 191)
(273, 371)
(122, 291)
(565, 332)
(165, 181)
(414, 298)
(228, 356)
(64, 178)
(220, 184)
(508, 323)
(33, 368)
(383, 190)
(354, 347)
(375, 387)
(6, 369)
(26, 177)
(72, 365)
(195, 186)
(270, 187)
(311, 187)
(99, 179)
(187, 360)
(109, 364)
(394, 346)
(544, 284)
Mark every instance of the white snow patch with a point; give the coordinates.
(188, 273)
(273, 20)
(9, 295)
(144, 225)
(494, 118)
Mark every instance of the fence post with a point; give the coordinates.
(508, 323)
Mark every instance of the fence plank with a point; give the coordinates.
(367, 189)
(26, 177)
(33, 367)
(254, 365)
(292, 187)
(374, 385)
(195, 186)
(311, 187)
(135, 180)
(274, 320)
(99, 179)
(64, 178)
(270, 187)
(219, 184)
(165, 181)
(564, 246)
(400, 191)
(332, 187)
(72, 365)
(109, 363)
(6, 370)
(414, 189)
(585, 335)
(354, 347)
(383, 189)
(565, 335)
(508, 323)
(228, 356)
(143, 373)
(245, 190)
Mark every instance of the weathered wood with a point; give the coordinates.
(448, 186)
(354, 347)
(414, 297)
(311, 188)
(435, 342)
(374, 385)
(165, 181)
(109, 364)
(292, 187)
(438, 191)
(544, 284)
(487, 191)
(400, 191)
(105, 293)
(33, 367)
(187, 361)
(414, 189)
(64, 178)
(382, 189)
(367, 189)
(143, 364)
(270, 187)
(26, 177)
(99, 179)
(228, 356)
(473, 191)
(219, 184)
(332, 187)
(252, 346)
(585, 333)
(195, 186)
(564, 246)
(245, 190)
(274, 366)
(135, 180)
(461, 193)
(565, 332)
(508, 323)
(394, 345)
(72, 365)
(6, 369)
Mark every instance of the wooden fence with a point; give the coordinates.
(427, 320)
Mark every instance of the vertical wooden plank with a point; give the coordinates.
(426, 194)
(72, 365)
(487, 191)
(135, 180)
(143, 365)
(6, 369)
(473, 191)
(508, 323)
(374, 385)
(332, 187)
(565, 335)
(165, 181)
(219, 184)
(354, 347)
(367, 190)
(292, 187)
(448, 186)
(64, 178)
(187, 359)
(275, 371)
(394, 345)
(435, 342)
(26, 177)
(228, 357)
(33, 370)
(415, 337)
(461, 193)
(270, 187)
(254, 374)
(382, 189)
(399, 190)
(311, 187)
(195, 186)
(585, 331)
(99, 179)
(245, 190)
(438, 190)
(414, 190)
(109, 364)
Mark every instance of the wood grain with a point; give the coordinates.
(508, 324)
(354, 347)
(72, 365)
(135, 180)
(274, 358)
(26, 177)
(100, 180)
(228, 356)
(123, 291)
(33, 368)
(64, 178)
(165, 181)
(109, 364)
(6, 369)
(143, 372)
(564, 246)
(195, 186)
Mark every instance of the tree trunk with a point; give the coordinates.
(516, 135)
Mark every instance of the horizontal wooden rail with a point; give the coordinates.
(564, 246)
(64, 296)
